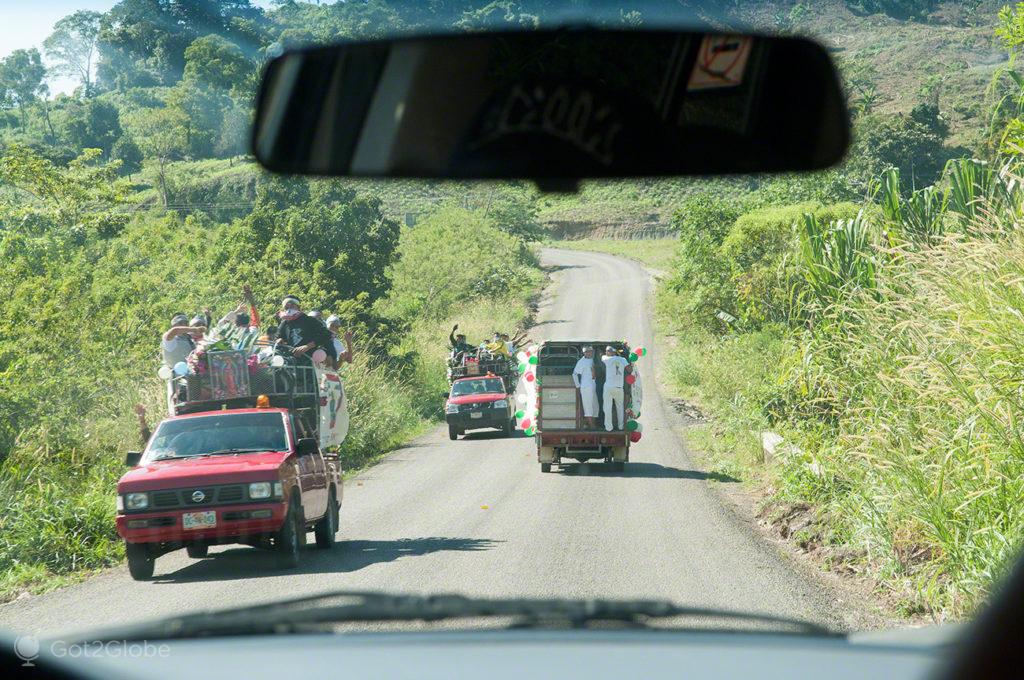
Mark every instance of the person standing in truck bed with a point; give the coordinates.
(585, 378)
(614, 394)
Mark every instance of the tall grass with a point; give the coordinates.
(899, 381)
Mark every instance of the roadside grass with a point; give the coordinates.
(654, 253)
(901, 422)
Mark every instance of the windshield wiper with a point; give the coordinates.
(319, 612)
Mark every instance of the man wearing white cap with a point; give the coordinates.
(614, 377)
(586, 385)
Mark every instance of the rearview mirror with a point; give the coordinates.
(306, 446)
(132, 458)
(554, 104)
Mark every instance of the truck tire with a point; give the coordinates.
(288, 541)
(197, 550)
(453, 432)
(327, 527)
(508, 428)
(545, 467)
(140, 561)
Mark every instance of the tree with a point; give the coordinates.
(216, 62)
(162, 136)
(92, 124)
(234, 133)
(21, 77)
(72, 45)
(128, 152)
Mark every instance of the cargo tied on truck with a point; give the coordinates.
(554, 411)
(247, 455)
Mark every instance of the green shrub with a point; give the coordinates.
(453, 256)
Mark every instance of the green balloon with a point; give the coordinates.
(522, 368)
(633, 356)
(631, 425)
(520, 414)
(533, 360)
(529, 432)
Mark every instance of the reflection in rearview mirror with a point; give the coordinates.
(553, 104)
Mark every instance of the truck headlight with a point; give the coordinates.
(278, 490)
(259, 490)
(120, 503)
(136, 501)
(451, 408)
(501, 403)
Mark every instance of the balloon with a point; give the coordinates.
(522, 356)
(520, 414)
(635, 437)
(630, 379)
(525, 424)
(631, 425)
(530, 377)
(165, 373)
(521, 398)
(529, 432)
(181, 368)
(319, 356)
(277, 361)
(522, 367)
(639, 427)
(633, 356)
(533, 360)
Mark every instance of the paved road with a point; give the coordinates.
(477, 516)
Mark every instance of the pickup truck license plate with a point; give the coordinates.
(477, 414)
(199, 520)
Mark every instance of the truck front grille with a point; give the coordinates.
(187, 497)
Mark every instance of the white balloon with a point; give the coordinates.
(277, 361)
(165, 373)
(521, 398)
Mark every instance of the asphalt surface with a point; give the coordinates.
(477, 516)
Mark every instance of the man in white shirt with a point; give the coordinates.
(586, 384)
(614, 378)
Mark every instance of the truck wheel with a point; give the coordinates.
(288, 541)
(140, 561)
(545, 467)
(508, 428)
(453, 432)
(197, 550)
(327, 527)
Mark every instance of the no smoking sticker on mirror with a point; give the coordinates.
(721, 62)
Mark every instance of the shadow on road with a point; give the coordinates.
(550, 322)
(551, 269)
(347, 556)
(644, 471)
(491, 434)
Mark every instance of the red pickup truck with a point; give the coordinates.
(246, 468)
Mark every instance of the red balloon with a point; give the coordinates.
(635, 436)
(630, 379)
(525, 424)
(529, 377)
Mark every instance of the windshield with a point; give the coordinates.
(484, 386)
(205, 435)
(815, 414)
